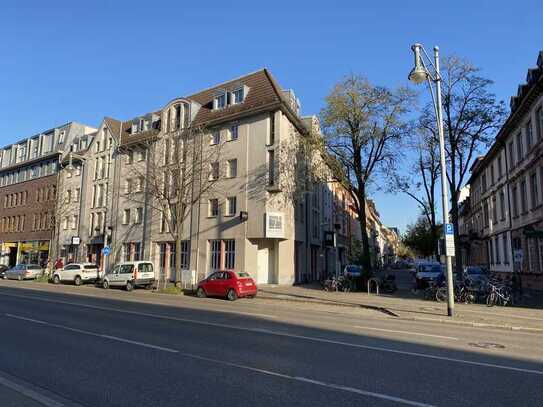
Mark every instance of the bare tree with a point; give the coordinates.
(181, 171)
(471, 116)
(363, 127)
(421, 179)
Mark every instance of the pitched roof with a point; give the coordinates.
(114, 125)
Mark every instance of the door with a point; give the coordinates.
(212, 284)
(69, 272)
(114, 276)
(224, 283)
(262, 264)
(145, 271)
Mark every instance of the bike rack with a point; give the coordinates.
(376, 283)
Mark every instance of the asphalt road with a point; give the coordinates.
(67, 350)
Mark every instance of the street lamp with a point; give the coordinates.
(419, 74)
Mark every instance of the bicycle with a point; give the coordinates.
(500, 295)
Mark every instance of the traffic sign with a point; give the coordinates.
(106, 250)
(449, 229)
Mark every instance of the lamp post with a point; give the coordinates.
(419, 74)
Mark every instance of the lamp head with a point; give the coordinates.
(419, 73)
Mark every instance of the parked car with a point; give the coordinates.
(228, 284)
(24, 272)
(3, 269)
(130, 274)
(427, 272)
(476, 275)
(77, 273)
(352, 271)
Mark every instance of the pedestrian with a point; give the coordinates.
(59, 264)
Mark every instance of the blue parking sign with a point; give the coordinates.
(449, 229)
(106, 251)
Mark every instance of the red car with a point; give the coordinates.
(228, 284)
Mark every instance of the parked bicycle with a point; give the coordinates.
(340, 283)
(499, 295)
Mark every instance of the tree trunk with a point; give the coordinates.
(366, 259)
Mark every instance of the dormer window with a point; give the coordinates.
(220, 101)
(238, 96)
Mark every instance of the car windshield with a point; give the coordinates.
(243, 274)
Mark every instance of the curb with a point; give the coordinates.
(405, 318)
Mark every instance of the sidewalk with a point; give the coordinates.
(406, 305)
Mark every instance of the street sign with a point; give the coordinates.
(76, 240)
(106, 250)
(449, 229)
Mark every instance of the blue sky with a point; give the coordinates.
(70, 60)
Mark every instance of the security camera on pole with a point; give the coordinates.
(419, 74)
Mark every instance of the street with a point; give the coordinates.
(73, 350)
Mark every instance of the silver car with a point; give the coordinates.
(24, 272)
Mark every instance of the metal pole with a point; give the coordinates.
(444, 183)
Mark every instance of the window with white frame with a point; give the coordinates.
(213, 210)
(215, 137)
(231, 203)
(238, 96)
(232, 168)
(126, 216)
(229, 254)
(233, 132)
(214, 171)
(220, 101)
(77, 193)
(214, 255)
(65, 225)
(138, 215)
(75, 218)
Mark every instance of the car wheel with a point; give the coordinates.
(231, 295)
(129, 286)
(77, 280)
(200, 293)
(105, 284)
(56, 279)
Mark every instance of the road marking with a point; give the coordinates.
(28, 392)
(406, 332)
(252, 314)
(95, 334)
(310, 381)
(287, 335)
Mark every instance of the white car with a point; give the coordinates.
(77, 273)
(130, 274)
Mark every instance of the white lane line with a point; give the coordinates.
(252, 314)
(406, 332)
(147, 345)
(310, 381)
(95, 334)
(287, 335)
(28, 392)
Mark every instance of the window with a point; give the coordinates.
(485, 213)
(238, 96)
(483, 184)
(77, 192)
(213, 208)
(231, 206)
(129, 157)
(533, 192)
(67, 199)
(497, 250)
(177, 117)
(126, 216)
(137, 252)
(220, 101)
(232, 168)
(523, 200)
(215, 255)
(127, 185)
(74, 222)
(520, 149)
(185, 255)
(494, 210)
(233, 133)
(229, 254)
(492, 179)
(78, 170)
(65, 223)
(502, 205)
(271, 137)
(271, 167)
(499, 163)
(505, 249)
(139, 215)
(514, 201)
(539, 120)
(214, 171)
(215, 137)
(511, 154)
(529, 135)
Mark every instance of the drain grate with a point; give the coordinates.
(487, 345)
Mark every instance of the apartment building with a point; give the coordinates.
(505, 207)
(28, 193)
